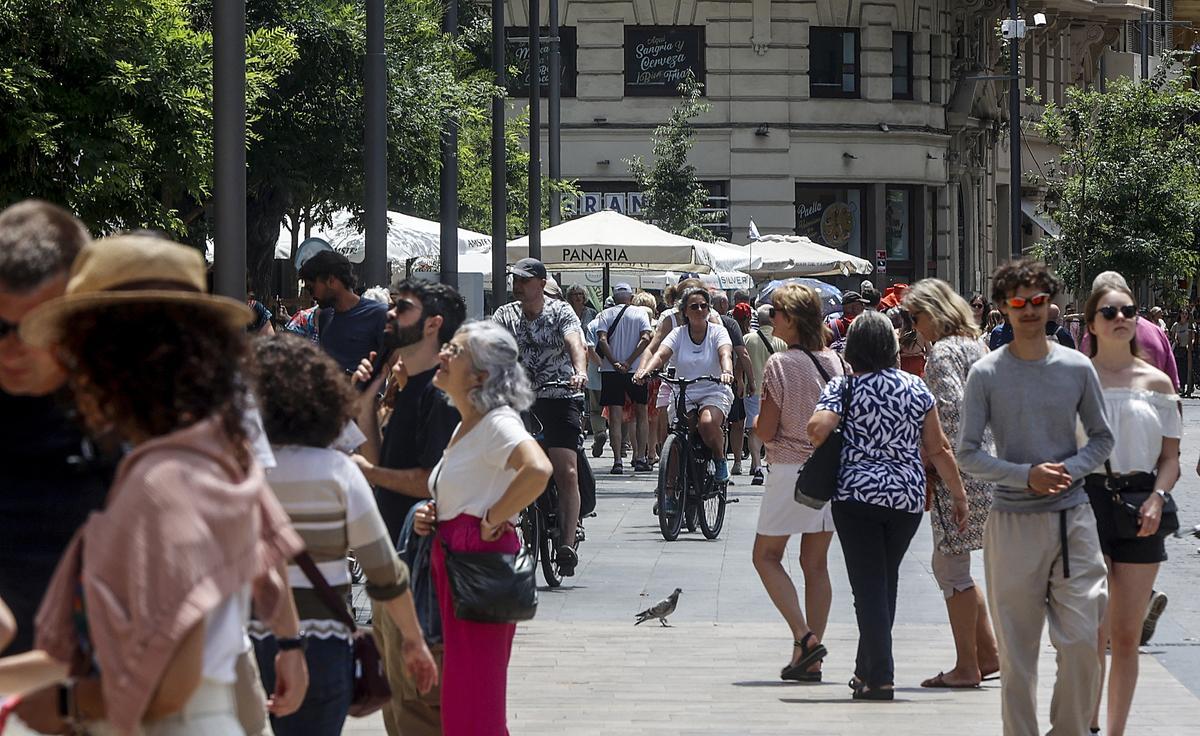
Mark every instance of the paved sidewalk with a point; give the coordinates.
(582, 668)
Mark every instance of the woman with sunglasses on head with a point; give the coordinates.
(700, 348)
(792, 383)
(944, 320)
(1144, 413)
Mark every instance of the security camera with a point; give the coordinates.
(1039, 20)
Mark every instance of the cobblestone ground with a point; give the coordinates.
(582, 668)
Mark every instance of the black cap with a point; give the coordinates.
(528, 268)
(853, 297)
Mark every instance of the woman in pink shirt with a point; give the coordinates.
(792, 383)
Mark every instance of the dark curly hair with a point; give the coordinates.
(155, 368)
(436, 300)
(1025, 272)
(303, 394)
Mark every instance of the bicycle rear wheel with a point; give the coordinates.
(528, 529)
(672, 488)
(548, 535)
(710, 496)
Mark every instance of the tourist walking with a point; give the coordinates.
(551, 343)
(1144, 414)
(492, 469)
(305, 403)
(700, 348)
(792, 383)
(622, 335)
(761, 344)
(880, 494)
(162, 623)
(1041, 552)
(944, 320)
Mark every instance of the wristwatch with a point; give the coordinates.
(1162, 494)
(299, 642)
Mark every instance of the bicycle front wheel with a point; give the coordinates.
(672, 488)
(711, 499)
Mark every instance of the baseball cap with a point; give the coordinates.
(852, 297)
(741, 310)
(623, 287)
(688, 275)
(528, 268)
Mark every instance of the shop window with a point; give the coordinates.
(831, 216)
(902, 66)
(833, 62)
(898, 223)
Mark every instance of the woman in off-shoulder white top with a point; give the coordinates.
(1143, 412)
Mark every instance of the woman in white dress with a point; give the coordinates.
(792, 383)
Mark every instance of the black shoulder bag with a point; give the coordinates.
(490, 587)
(1127, 494)
(371, 689)
(818, 477)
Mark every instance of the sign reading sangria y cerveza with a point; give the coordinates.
(657, 58)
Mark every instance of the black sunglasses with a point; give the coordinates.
(698, 307)
(771, 312)
(7, 327)
(1128, 311)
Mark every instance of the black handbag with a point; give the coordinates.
(491, 587)
(818, 477)
(1127, 494)
(371, 690)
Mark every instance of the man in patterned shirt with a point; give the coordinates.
(550, 340)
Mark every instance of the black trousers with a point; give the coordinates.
(874, 540)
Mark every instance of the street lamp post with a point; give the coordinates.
(449, 176)
(555, 114)
(1014, 125)
(229, 147)
(535, 133)
(375, 268)
(499, 168)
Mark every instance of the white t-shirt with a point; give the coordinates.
(473, 473)
(630, 329)
(692, 360)
(225, 637)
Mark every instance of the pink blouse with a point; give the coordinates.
(793, 383)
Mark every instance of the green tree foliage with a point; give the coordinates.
(107, 107)
(1126, 189)
(674, 196)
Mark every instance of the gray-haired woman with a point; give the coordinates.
(880, 494)
(491, 469)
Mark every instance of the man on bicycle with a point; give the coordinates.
(550, 340)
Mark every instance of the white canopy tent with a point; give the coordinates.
(782, 256)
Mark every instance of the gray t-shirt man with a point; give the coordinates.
(629, 331)
(1031, 407)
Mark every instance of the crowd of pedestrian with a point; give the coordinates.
(186, 510)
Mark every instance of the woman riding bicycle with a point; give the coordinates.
(700, 348)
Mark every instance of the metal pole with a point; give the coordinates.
(535, 132)
(555, 114)
(229, 147)
(375, 267)
(1014, 125)
(499, 164)
(1145, 46)
(449, 178)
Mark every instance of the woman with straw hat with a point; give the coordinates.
(150, 601)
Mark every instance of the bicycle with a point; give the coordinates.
(688, 490)
(538, 525)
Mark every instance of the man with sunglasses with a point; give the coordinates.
(550, 340)
(398, 461)
(1042, 554)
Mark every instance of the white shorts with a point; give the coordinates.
(780, 515)
(700, 395)
(666, 395)
(753, 405)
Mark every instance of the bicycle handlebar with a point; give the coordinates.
(554, 384)
(684, 381)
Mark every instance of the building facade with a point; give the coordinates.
(856, 123)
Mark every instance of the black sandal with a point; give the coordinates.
(798, 672)
(862, 692)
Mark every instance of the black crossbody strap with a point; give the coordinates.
(324, 591)
(820, 368)
(766, 342)
(612, 330)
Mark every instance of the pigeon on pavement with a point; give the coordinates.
(660, 610)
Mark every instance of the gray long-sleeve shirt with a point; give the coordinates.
(1031, 407)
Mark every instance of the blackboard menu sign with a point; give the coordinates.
(657, 58)
(518, 60)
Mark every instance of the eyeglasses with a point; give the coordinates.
(771, 312)
(1020, 302)
(403, 305)
(976, 305)
(1128, 311)
(698, 307)
(453, 350)
(6, 327)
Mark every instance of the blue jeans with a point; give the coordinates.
(330, 687)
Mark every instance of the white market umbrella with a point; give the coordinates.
(407, 237)
(655, 279)
(611, 239)
(782, 256)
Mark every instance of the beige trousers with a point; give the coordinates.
(211, 710)
(1023, 562)
(409, 713)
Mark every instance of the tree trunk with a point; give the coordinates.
(265, 210)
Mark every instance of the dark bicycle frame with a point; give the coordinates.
(696, 454)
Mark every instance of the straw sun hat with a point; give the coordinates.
(132, 269)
